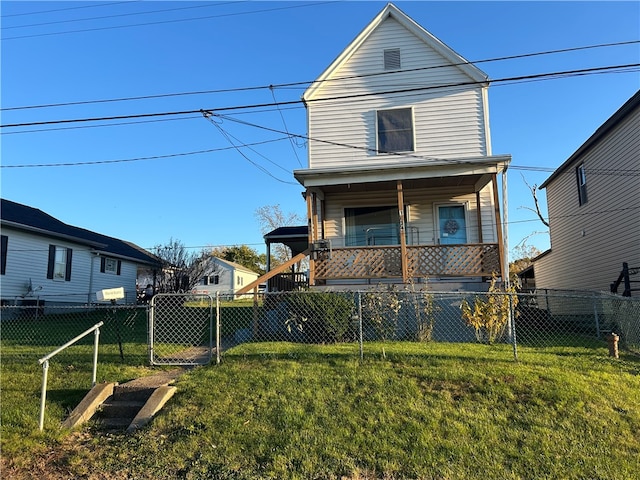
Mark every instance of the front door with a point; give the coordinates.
(452, 225)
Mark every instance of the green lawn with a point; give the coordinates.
(434, 410)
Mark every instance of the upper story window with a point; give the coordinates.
(395, 130)
(581, 177)
(392, 59)
(110, 265)
(210, 280)
(59, 264)
(3, 251)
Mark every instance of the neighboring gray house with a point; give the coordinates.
(401, 183)
(46, 260)
(593, 202)
(225, 277)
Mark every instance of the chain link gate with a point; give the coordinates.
(181, 329)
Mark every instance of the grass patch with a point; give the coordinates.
(436, 410)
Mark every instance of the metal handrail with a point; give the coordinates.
(44, 361)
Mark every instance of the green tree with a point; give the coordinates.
(242, 255)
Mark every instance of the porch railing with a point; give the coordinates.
(423, 261)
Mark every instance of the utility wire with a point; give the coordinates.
(160, 22)
(228, 138)
(138, 159)
(550, 75)
(300, 84)
(284, 123)
(68, 8)
(208, 5)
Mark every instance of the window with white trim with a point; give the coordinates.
(59, 264)
(110, 265)
(394, 130)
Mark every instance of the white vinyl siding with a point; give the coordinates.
(27, 260)
(590, 242)
(448, 123)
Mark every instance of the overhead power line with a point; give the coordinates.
(138, 159)
(129, 14)
(161, 22)
(306, 83)
(95, 5)
(549, 75)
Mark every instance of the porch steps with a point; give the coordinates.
(125, 407)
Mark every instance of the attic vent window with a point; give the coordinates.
(392, 59)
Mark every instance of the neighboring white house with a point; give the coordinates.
(46, 260)
(402, 183)
(225, 277)
(593, 202)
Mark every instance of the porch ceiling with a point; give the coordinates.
(438, 171)
(470, 181)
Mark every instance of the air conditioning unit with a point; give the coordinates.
(321, 245)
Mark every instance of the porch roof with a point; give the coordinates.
(294, 237)
(475, 168)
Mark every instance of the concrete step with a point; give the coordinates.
(129, 406)
(120, 408)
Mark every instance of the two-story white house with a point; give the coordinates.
(402, 183)
(46, 261)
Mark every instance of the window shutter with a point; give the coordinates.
(67, 273)
(52, 260)
(103, 262)
(3, 249)
(119, 267)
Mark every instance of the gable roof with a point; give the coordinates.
(235, 266)
(623, 112)
(23, 217)
(391, 11)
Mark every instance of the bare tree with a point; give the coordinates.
(181, 270)
(533, 189)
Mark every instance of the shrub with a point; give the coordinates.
(323, 317)
(489, 317)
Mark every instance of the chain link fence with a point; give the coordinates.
(537, 320)
(27, 333)
(189, 328)
(181, 329)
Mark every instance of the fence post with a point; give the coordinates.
(513, 327)
(359, 302)
(595, 314)
(96, 338)
(43, 394)
(218, 328)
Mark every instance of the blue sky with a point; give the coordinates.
(140, 180)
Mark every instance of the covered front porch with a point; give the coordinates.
(436, 221)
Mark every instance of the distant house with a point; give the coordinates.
(401, 183)
(46, 260)
(594, 208)
(224, 277)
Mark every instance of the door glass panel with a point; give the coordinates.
(451, 224)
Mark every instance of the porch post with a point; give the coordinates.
(479, 216)
(496, 205)
(310, 237)
(505, 232)
(403, 241)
